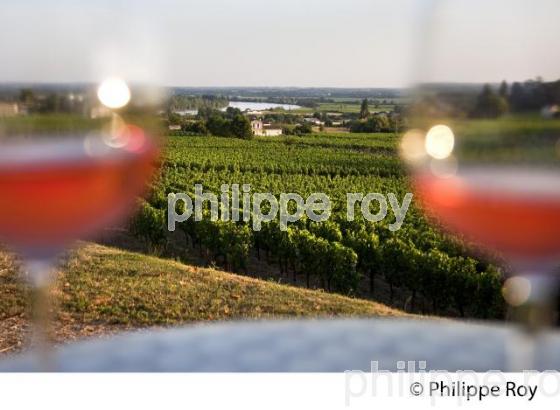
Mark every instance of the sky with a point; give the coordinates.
(301, 43)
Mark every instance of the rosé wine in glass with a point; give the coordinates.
(53, 192)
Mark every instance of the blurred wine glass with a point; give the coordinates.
(483, 141)
(74, 158)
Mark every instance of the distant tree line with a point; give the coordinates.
(299, 129)
(368, 122)
(281, 118)
(182, 102)
(51, 102)
(531, 95)
(374, 123)
(230, 123)
(490, 102)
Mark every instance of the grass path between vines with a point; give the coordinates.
(102, 290)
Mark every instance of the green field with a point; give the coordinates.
(56, 124)
(520, 138)
(345, 107)
(352, 107)
(432, 272)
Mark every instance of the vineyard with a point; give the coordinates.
(436, 272)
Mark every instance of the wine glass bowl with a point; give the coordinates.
(73, 161)
(54, 192)
(507, 204)
(65, 176)
(482, 144)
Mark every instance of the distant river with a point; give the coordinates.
(261, 106)
(251, 106)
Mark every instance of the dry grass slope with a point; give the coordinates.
(102, 290)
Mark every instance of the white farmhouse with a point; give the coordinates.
(314, 121)
(261, 129)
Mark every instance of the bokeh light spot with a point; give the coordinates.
(440, 141)
(113, 93)
(516, 290)
(413, 146)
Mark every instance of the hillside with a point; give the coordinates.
(416, 265)
(103, 290)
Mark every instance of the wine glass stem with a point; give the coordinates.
(534, 316)
(39, 275)
(42, 326)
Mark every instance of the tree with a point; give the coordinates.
(218, 125)
(204, 113)
(301, 129)
(375, 123)
(229, 124)
(173, 118)
(241, 127)
(364, 109)
(194, 128)
(517, 97)
(489, 105)
(504, 90)
(27, 96)
(232, 112)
